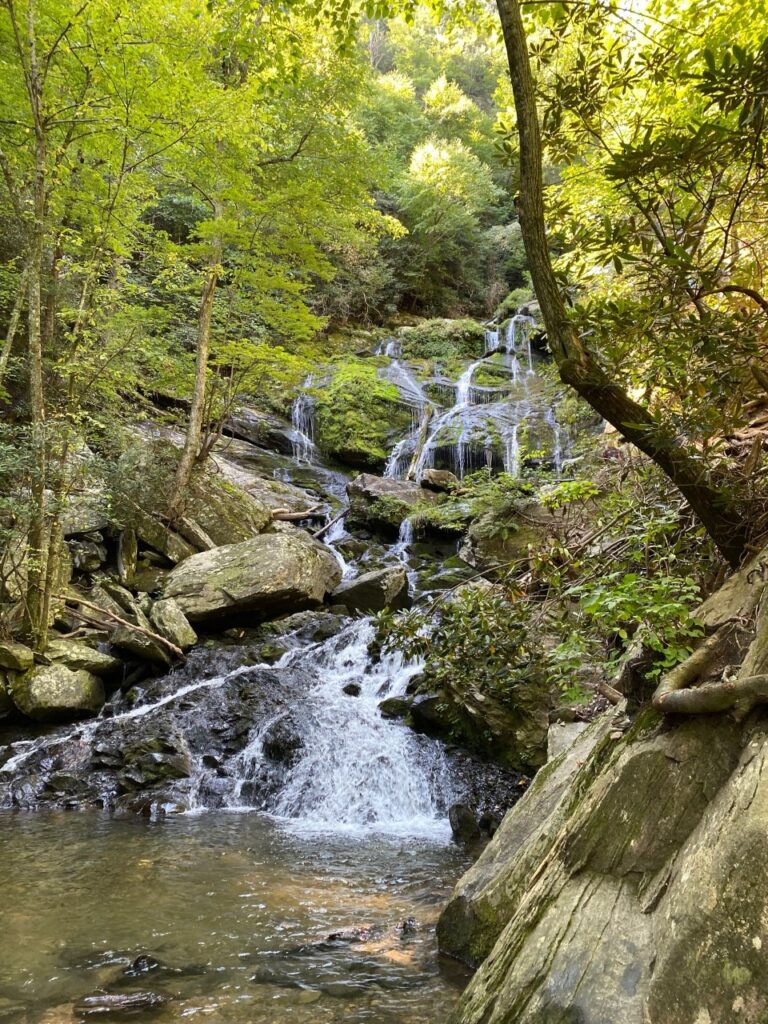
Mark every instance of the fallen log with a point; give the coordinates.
(285, 515)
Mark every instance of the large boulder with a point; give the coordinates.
(256, 579)
(374, 591)
(51, 693)
(493, 542)
(439, 480)
(381, 503)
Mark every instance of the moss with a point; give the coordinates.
(444, 340)
(358, 415)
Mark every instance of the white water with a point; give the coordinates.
(303, 421)
(358, 770)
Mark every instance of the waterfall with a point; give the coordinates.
(399, 458)
(358, 770)
(491, 341)
(464, 384)
(557, 451)
(303, 421)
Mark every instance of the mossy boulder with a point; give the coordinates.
(494, 540)
(16, 657)
(442, 339)
(54, 693)
(257, 579)
(637, 859)
(382, 504)
(358, 416)
(171, 622)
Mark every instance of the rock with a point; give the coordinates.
(382, 503)
(127, 556)
(155, 535)
(352, 689)
(51, 693)
(78, 656)
(15, 656)
(439, 480)
(171, 622)
(492, 543)
(142, 646)
(149, 579)
(261, 429)
(561, 735)
(428, 714)
(118, 1003)
(85, 512)
(6, 702)
(282, 741)
(260, 578)
(375, 591)
(394, 707)
(87, 555)
(633, 863)
(464, 824)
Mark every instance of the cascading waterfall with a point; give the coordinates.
(492, 339)
(358, 770)
(303, 421)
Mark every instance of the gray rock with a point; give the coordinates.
(261, 429)
(51, 693)
(463, 823)
(260, 578)
(374, 591)
(77, 656)
(171, 622)
(561, 735)
(141, 646)
(394, 707)
(127, 556)
(439, 480)
(17, 657)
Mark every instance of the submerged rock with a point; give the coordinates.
(262, 578)
(118, 1003)
(51, 693)
(375, 591)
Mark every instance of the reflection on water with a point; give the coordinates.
(236, 910)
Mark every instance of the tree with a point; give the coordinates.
(714, 503)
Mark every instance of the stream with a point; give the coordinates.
(288, 848)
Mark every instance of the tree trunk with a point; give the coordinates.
(13, 324)
(35, 625)
(715, 507)
(196, 413)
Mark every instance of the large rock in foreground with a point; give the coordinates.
(258, 578)
(54, 693)
(375, 591)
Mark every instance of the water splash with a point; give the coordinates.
(358, 770)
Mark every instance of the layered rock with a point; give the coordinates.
(257, 579)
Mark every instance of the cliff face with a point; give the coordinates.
(630, 885)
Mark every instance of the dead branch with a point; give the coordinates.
(157, 637)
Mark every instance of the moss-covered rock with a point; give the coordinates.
(443, 340)
(382, 504)
(358, 416)
(374, 591)
(16, 657)
(52, 693)
(80, 656)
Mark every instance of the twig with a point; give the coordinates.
(124, 622)
(319, 534)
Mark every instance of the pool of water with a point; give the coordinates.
(235, 908)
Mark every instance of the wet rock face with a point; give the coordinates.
(261, 577)
(381, 503)
(178, 745)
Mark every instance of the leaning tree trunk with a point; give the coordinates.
(715, 508)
